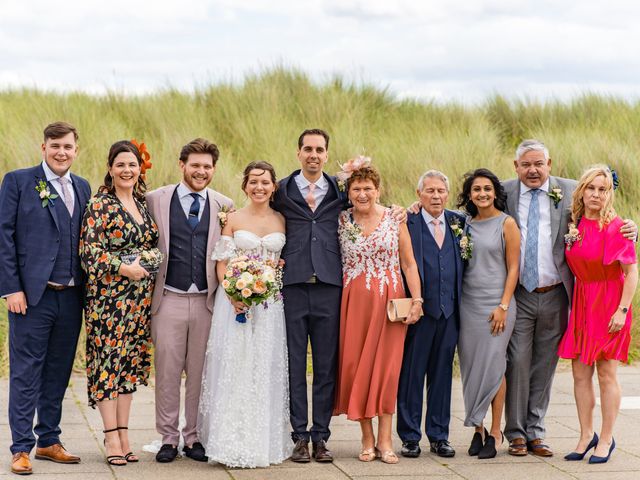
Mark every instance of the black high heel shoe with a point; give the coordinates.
(129, 457)
(115, 460)
(575, 456)
(595, 459)
(477, 443)
(489, 448)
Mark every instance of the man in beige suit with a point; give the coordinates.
(187, 218)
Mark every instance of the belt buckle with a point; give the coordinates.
(312, 279)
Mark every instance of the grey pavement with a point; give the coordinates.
(82, 435)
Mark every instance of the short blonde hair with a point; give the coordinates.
(577, 203)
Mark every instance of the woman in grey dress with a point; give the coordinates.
(487, 307)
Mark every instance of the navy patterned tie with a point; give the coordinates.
(530, 274)
(194, 210)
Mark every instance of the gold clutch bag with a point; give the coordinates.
(398, 309)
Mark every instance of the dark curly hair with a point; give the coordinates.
(116, 149)
(464, 198)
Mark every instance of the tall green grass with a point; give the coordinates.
(262, 117)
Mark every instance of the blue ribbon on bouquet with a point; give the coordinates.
(241, 317)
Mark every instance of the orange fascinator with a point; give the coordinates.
(145, 155)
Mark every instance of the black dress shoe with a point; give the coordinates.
(196, 452)
(410, 449)
(301, 452)
(167, 453)
(442, 448)
(321, 453)
(489, 448)
(477, 443)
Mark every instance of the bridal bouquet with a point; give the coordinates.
(252, 280)
(150, 260)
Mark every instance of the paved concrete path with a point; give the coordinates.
(82, 435)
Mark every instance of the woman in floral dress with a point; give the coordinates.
(375, 247)
(118, 296)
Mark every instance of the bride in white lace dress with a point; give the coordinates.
(244, 405)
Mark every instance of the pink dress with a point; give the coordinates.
(371, 346)
(595, 261)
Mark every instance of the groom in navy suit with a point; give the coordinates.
(311, 202)
(431, 342)
(41, 210)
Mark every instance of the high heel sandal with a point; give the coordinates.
(129, 457)
(388, 456)
(575, 456)
(115, 460)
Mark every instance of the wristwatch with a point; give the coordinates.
(504, 307)
(623, 309)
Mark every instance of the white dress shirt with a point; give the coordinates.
(184, 195)
(547, 271)
(322, 187)
(52, 178)
(432, 228)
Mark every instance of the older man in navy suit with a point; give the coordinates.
(431, 342)
(311, 201)
(41, 210)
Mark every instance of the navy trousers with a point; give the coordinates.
(312, 313)
(428, 351)
(42, 346)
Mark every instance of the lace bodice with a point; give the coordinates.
(245, 242)
(375, 255)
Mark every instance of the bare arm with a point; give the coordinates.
(410, 271)
(629, 288)
(498, 316)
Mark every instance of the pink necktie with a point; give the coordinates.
(66, 195)
(437, 232)
(311, 200)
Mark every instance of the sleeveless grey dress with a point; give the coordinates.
(483, 357)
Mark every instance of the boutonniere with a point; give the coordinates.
(572, 236)
(555, 193)
(222, 215)
(342, 185)
(456, 228)
(45, 194)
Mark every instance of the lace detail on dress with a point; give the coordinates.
(370, 255)
(244, 404)
(225, 249)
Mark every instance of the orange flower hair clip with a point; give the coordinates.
(145, 155)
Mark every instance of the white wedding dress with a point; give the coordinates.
(244, 405)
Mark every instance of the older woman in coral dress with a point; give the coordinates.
(598, 334)
(375, 248)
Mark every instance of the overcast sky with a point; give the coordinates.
(433, 50)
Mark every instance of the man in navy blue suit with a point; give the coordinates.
(311, 202)
(41, 279)
(431, 342)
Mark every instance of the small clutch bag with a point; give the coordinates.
(398, 309)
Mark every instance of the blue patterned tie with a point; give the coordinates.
(530, 274)
(194, 210)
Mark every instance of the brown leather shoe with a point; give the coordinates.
(518, 447)
(321, 453)
(537, 447)
(56, 453)
(20, 464)
(301, 452)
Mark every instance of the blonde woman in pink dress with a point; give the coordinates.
(598, 334)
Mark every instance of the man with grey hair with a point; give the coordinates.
(431, 342)
(541, 204)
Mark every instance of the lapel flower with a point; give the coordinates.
(555, 193)
(350, 166)
(456, 228)
(45, 194)
(223, 211)
(572, 236)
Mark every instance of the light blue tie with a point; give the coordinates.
(530, 274)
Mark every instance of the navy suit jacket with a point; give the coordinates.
(414, 224)
(29, 236)
(312, 237)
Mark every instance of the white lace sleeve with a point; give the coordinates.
(224, 249)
